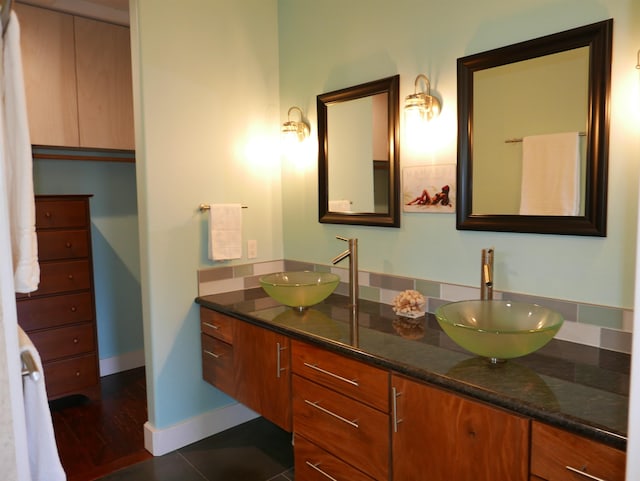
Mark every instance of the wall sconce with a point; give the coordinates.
(421, 105)
(292, 129)
(638, 60)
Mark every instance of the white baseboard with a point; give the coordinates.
(162, 441)
(123, 362)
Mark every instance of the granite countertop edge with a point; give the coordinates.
(536, 413)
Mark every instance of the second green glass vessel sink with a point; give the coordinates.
(497, 329)
(300, 289)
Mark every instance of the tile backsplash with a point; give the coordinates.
(593, 325)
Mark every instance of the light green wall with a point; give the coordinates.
(333, 44)
(207, 131)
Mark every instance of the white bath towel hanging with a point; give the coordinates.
(44, 461)
(16, 147)
(550, 174)
(225, 231)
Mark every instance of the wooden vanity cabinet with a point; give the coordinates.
(557, 455)
(249, 363)
(60, 317)
(77, 75)
(438, 435)
(340, 416)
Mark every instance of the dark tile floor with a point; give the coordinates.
(254, 451)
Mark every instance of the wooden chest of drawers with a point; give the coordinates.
(60, 316)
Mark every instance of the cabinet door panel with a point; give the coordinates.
(71, 375)
(262, 372)
(48, 62)
(43, 312)
(65, 341)
(62, 277)
(105, 95)
(52, 214)
(67, 244)
(217, 363)
(464, 440)
(555, 452)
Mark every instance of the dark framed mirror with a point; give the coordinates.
(358, 154)
(515, 98)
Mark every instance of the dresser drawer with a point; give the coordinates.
(348, 429)
(61, 213)
(557, 455)
(63, 277)
(64, 244)
(217, 363)
(315, 464)
(64, 341)
(347, 376)
(70, 375)
(217, 325)
(44, 312)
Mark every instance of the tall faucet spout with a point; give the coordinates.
(352, 254)
(486, 277)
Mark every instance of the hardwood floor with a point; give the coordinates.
(96, 438)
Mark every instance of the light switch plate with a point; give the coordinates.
(252, 249)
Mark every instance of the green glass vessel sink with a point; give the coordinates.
(498, 330)
(300, 289)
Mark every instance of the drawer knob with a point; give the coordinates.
(74, 308)
(76, 340)
(70, 277)
(47, 214)
(77, 373)
(68, 245)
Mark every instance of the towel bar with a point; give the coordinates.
(29, 367)
(203, 207)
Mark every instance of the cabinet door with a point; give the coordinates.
(442, 436)
(105, 98)
(262, 372)
(48, 58)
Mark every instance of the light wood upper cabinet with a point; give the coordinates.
(48, 58)
(105, 99)
(77, 80)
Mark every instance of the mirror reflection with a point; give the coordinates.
(358, 154)
(533, 134)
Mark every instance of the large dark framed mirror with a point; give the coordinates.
(516, 106)
(358, 154)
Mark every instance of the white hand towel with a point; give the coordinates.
(44, 461)
(18, 165)
(225, 231)
(550, 174)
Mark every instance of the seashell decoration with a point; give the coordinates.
(409, 303)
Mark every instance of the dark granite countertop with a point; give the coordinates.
(578, 388)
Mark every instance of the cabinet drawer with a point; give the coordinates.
(44, 312)
(64, 341)
(315, 464)
(65, 244)
(62, 277)
(70, 375)
(352, 378)
(348, 429)
(217, 363)
(559, 455)
(61, 213)
(217, 325)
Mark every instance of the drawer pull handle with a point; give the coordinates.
(331, 413)
(212, 326)
(586, 475)
(353, 382)
(212, 354)
(315, 466)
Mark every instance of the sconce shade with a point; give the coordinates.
(421, 104)
(295, 129)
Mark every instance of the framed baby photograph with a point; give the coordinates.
(429, 188)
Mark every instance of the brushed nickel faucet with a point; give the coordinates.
(486, 274)
(352, 253)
